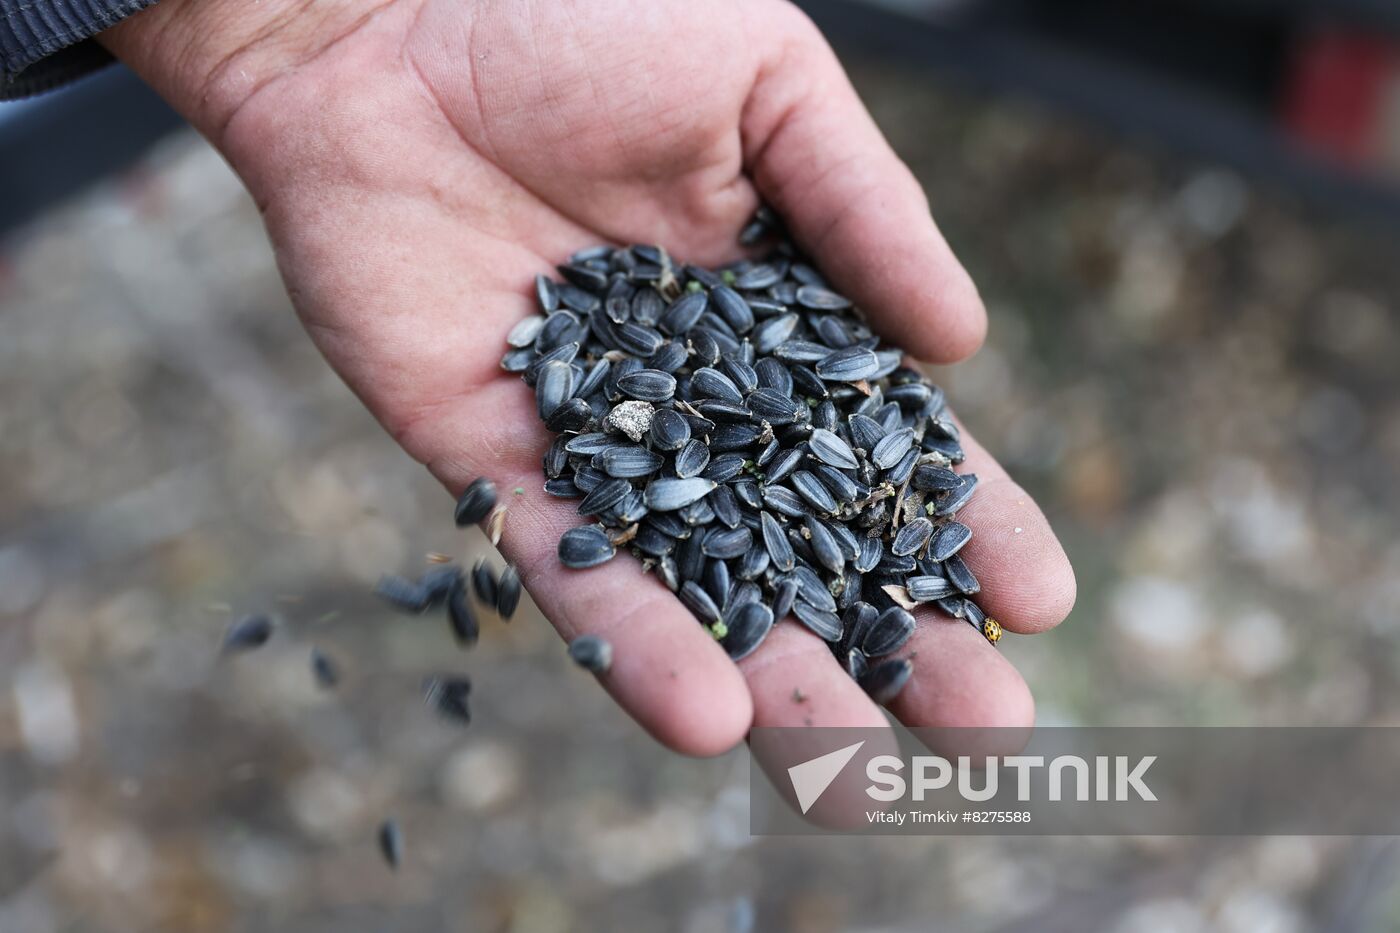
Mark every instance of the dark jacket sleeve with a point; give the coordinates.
(44, 43)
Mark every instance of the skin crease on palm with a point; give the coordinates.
(419, 161)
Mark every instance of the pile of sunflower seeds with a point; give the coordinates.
(745, 435)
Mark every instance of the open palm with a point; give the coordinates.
(418, 168)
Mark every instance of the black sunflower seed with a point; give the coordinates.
(912, 537)
(889, 633)
(849, 365)
(961, 576)
(772, 406)
(460, 617)
(930, 477)
(484, 583)
(585, 546)
(872, 550)
(711, 383)
(628, 462)
(390, 839)
(948, 540)
(749, 625)
(667, 495)
(648, 385)
(253, 631)
(401, 593)
(786, 502)
(740, 373)
(892, 448)
(823, 623)
(448, 696)
(554, 383)
(927, 589)
(692, 459)
(821, 299)
(324, 669)
(953, 500)
(546, 294)
(731, 306)
(829, 448)
(592, 653)
(809, 487)
(699, 602)
(728, 542)
(507, 592)
(772, 374)
(574, 415)
(669, 431)
(824, 546)
(683, 313)
(476, 502)
(724, 467)
(776, 542)
(604, 496)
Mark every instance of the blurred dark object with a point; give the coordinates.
(55, 145)
(1302, 93)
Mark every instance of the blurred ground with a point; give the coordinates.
(1195, 376)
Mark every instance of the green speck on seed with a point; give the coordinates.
(719, 630)
(728, 276)
(693, 286)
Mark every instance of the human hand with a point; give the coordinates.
(419, 161)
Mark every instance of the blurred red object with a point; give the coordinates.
(1343, 97)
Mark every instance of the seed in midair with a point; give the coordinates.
(476, 502)
(460, 616)
(592, 653)
(403, 594)
(391, 843)
(249, 632)
(324, 669)
(448, 696)
(484, 583)
(508, 592)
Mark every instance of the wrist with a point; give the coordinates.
(208, 57)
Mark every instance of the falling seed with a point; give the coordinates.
(507, 592)
(448, 696)
(248, 633)
(391, 843)
(324, 669)
(460, 616)
(476, 502)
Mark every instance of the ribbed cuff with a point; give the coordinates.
(43, 43)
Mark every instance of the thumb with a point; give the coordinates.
(818, 158)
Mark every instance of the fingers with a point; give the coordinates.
(960, 680)
(795, 680)
(667, 671)
(1027, 581)
(817, 157)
